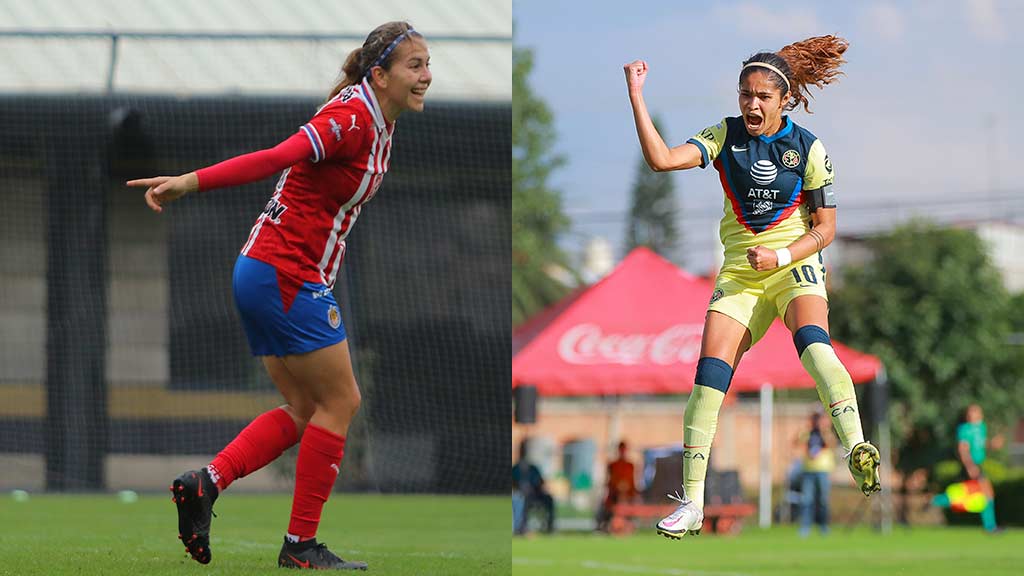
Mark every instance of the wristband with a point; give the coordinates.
(784, 256)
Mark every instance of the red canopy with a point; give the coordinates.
(638, 331)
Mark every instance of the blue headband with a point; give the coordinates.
(383, 55)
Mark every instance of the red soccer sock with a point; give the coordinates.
(259, 444)
(320, 454)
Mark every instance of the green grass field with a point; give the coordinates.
(400, 535)
(929, 551)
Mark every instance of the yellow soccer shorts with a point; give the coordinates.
(755, 299)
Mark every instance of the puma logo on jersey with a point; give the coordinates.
(336, 130)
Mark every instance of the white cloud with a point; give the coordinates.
(886, 21)
(984, 20)
(791, 24)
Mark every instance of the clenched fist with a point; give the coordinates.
(636, 73)
(762, 258)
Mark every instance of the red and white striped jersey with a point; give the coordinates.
(302, 230)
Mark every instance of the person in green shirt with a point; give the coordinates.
(971, 443)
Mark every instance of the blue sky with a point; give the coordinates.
(920, 125)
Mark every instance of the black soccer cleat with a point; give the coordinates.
(194, 494)
(313, 556)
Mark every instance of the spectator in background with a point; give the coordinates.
(818, 462)
(620, 486)
(971, 444)
(528, 489)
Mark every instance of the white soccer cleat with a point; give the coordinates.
(686, 519)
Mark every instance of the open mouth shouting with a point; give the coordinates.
(754, 122)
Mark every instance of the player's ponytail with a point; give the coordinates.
(814, 61)
(377, 50)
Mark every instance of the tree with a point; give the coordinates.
(652, 216)
(932, 306)
(537, 216)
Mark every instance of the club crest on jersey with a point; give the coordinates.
(828, 164)
(717, 295)
(274, 209)
(333, 316)
(791, 158)
(353, 126)
(763, 172)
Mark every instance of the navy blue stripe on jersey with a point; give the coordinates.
(703, 151)
(722, 164)
(318, 153)
(786, 210)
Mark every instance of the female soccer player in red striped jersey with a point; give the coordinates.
(283, 279)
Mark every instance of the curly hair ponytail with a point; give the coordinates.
(814, 61)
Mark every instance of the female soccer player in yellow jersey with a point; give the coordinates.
(779, 213)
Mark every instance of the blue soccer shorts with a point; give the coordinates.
(275, 327)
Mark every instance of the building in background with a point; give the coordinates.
(249, 47)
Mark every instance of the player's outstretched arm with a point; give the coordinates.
(658, 155)
(232, 172)
(163, 189)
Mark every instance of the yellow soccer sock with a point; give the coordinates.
(835, 387)
(700, 422)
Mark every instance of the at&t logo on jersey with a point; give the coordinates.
(763, 172)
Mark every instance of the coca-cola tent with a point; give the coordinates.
(638, 331)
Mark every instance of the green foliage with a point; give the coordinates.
(652, 216)
(1010, 501)
(949, 471)
(933, 308)
(537, 216)
(1016, 315)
